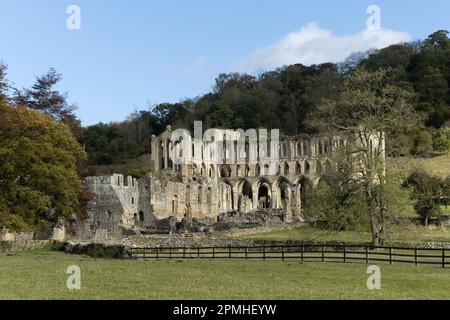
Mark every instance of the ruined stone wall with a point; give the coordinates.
(178, 199)
(115, 206)
(203, 187)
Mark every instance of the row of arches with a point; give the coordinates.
(286, 169)
(266, 194)
(301, 148)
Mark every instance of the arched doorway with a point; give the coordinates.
(264, 196)
(284, 190)
(245, 197)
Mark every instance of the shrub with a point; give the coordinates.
(441, 140)
(138, 172)
(336, 208)
(429, 193)
(423, 143)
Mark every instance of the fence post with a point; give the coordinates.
(184, 253)
(416, 259)
(323, 256)
(301, 252)
(198, 252)
(157, 253)
(264, 252)
(246, 252)
(282, 253)
(443, 258)
(345, 258)
(367, 254)
(390, 255)
(144, 253)
(170, 253)
(214, 253)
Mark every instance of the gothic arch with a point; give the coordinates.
(212, 171)
(307, 170)
(283, 189)
(225, 171)
(263, 187)
(203, 170)
(286, 169)
(319, 169)
(245, 193)
(298, 168)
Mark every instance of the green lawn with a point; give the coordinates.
(411, 234)
(41, 275)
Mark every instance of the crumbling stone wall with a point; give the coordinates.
(115, 206)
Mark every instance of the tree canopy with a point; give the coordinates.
(39, 182)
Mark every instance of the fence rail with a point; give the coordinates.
(302, 253)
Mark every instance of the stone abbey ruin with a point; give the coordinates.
(197, 185)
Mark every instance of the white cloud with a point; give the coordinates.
(313, 44)
(198, 63)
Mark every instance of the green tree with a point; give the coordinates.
(4, 86)
(38, 170)
(43, 97)
(336, 203)
(368, 108)
(429, 193)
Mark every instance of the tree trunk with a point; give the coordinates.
(376, 240)
(382, 214)
(374, 223)
(426, 221)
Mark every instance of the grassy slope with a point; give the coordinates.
(41, 275)
(412, 234)
(438, 165)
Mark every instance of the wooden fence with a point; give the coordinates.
(302, 253)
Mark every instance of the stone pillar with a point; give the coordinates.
(235, 200)
(273, 199)
(255, 200)
(312, 148)
(165, 153)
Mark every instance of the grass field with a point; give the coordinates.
(41, 275)
(438, 165)
(411, 234)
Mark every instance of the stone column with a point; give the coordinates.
(235, 200)
(255, 200)
(165, 153)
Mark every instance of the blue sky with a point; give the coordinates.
(129, 54)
